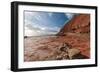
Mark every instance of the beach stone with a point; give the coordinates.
(72, 52)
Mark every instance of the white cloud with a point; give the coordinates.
(69, 15)
(32, 16)
(29, 32)
(27, 22)
(50, 14)
(32, 28)
(43, 28)
(36, 31)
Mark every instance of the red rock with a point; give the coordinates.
(79, 24)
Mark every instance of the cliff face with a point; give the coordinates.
(79, 24)
(77, 33)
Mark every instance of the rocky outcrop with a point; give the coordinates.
(78, 29)
(79, 24)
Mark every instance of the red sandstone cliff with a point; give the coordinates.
(79, 24)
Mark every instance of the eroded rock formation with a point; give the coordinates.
(79, 24)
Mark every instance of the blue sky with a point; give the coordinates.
(44, 23)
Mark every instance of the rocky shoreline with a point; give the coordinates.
(52, 48)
